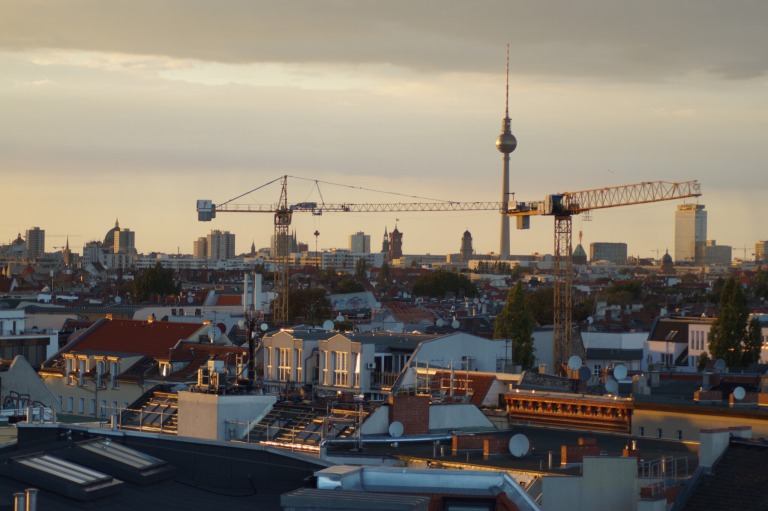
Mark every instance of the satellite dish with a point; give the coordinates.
(739, 393)
(611, 386)
(519, 445)
(574, 363)
(584, 373)
(455, 323)
(620, 372)
(190, 299)
(475, 301)
(118, 300)
(396, 429)
(590, 320)
(720, 364)
(328, 325)
(440, 322)
(264, 327)
(240, 324)
(339, 318)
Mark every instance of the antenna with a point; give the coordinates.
(506, 107)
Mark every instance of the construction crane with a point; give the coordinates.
(563, 206)
(283, 215)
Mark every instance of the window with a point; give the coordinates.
(642, 431)
(597, 369)
(340, 371)
(659, 433)
(70, 404)
(81, 405)
(103, 408)
(327, 369)
(356, 365)
(93, 407)
(679, 434)
(299, 365)
(268, 362)
(284, 367)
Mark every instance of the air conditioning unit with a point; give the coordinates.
(371, 365)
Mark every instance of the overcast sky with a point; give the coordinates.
(136, 109)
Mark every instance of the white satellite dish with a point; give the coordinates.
(519, 445)
(739, 393)
(440, 322)
(327, 325)
(574, 363)
(476, 301)
(620, 372)
(264, 327)
(720, 364)
(455, 323)
(611, 386)
(396, 429)
(190, 299)
(118, 300)
(339, 318)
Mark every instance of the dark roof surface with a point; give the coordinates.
(739, 481)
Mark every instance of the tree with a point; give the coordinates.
(760, 285)
(155, 281)
(515, 322)
(728, 335)
(311, 304)
(703, 361)
(348, 285)
(438, 283)
(753, 343)
(361, 267)
(541, 303)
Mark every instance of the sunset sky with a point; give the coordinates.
(136, 109)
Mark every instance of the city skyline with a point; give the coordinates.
(211, 101)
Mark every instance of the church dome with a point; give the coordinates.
(109, 238)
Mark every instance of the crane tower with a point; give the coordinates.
(563, 206)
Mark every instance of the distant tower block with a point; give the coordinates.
(506, 143)
(466, 247)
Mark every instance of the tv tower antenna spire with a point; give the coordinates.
(505, 143)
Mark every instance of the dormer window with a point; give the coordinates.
(165, 369)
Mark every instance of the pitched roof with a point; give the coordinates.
(223, 300)
(738, 481)
(410, 313)
(133, 336)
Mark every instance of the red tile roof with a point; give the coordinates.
(229, 300)
(133, 336)
(409, 313)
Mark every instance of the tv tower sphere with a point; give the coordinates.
(506, 143)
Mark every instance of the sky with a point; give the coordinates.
(133, 110)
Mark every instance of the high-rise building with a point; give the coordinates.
(690, 234)
(35, 242)
(220, 245)
(200, 248)
(124, 242)
(613, 252)
(360, 243)
(466, 247)
(395, 244)
(761, 251)
(284, 245)
(717, 254)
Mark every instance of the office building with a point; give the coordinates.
(220, 245)
(200, 248)
(761, 250)
(35, 243)
(690, 234)
(613, 252)
(125, 242)
(360, 243)
(718, 254)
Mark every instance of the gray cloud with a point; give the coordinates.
(603, 38)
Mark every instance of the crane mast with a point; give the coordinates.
(563, 206)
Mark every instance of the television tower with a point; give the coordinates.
(506, 143)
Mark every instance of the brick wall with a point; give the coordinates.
(575, 453)
(412, 412)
